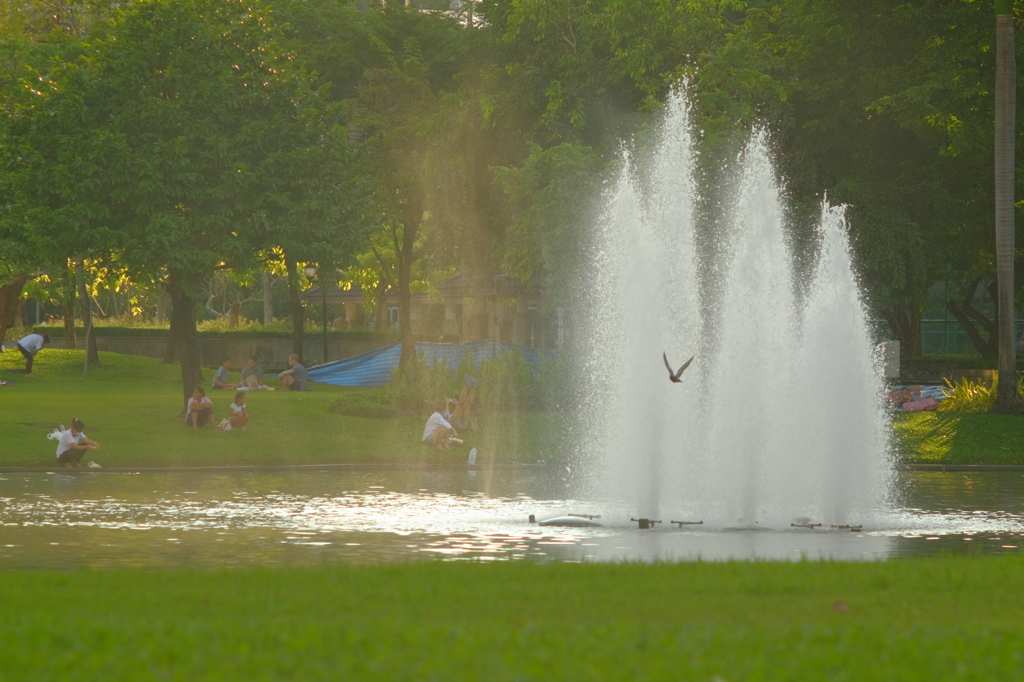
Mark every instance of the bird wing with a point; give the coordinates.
(665, 358)
(685, 365)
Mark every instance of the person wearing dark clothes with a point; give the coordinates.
(29, 346)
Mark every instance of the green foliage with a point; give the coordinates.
(416, 390)
(556, 384)
(973, 397)
(279, 330)
(548, 225)
(505, 383)
(967, 396)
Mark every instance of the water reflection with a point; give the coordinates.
(96, 519)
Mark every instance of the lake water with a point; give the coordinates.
(214, 519)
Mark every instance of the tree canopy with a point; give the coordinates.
(173, 138)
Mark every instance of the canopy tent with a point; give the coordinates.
(374, 368)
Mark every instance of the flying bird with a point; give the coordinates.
(674, 376)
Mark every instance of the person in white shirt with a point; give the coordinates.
(29, 346)
(438, 432)
(73, 443)
(238, 415)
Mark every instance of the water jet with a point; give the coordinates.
(783, 417)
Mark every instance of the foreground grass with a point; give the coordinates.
(960, 438)
(131, 405)
(945, 618)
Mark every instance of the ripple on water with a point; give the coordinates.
(237, 519)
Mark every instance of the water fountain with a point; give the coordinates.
(780, 417)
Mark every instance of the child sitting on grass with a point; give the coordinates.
(238, 414)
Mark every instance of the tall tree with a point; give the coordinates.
(1007, 397)
(397, 110)
(184, 140)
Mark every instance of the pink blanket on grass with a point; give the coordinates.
(922, 404)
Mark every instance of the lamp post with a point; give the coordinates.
(310, 272)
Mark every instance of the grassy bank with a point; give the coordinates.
(131, 406)
(943, 618)
(960, 438)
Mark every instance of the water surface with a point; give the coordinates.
(204, 519)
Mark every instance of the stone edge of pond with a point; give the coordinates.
(353, 466)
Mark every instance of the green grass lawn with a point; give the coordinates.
(960, 438)
(131, 405)
(931, 619)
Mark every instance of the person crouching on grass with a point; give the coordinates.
(72, 444)
(438, 432)
(200, 409)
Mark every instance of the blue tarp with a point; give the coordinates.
(374, 368)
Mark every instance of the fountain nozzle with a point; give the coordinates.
(645, 523)
(688, 523)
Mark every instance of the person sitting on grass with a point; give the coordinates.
(220, 377)
(239, 415)
(200, 410)
(463, 415)
(296, 378)
(29, 346)
(252, 374)
(438, 432)
(73, 443)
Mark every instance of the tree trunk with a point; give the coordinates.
(405, 255)
(380, 306)
(161, 306)
(91, 352)
(183, 320)
(906, 325)
(298, 312)
(171, 350)
(234, 314)
(967, 315)
(268, 300)
(19, 316)
(1007, 398)
(70, 338)
(10, 294)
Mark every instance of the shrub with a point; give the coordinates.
(506, 382)
(415, 391)
(968, 396)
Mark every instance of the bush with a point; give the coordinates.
(415, 391)
(507, 382)
(248, 331)
(968, 396)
